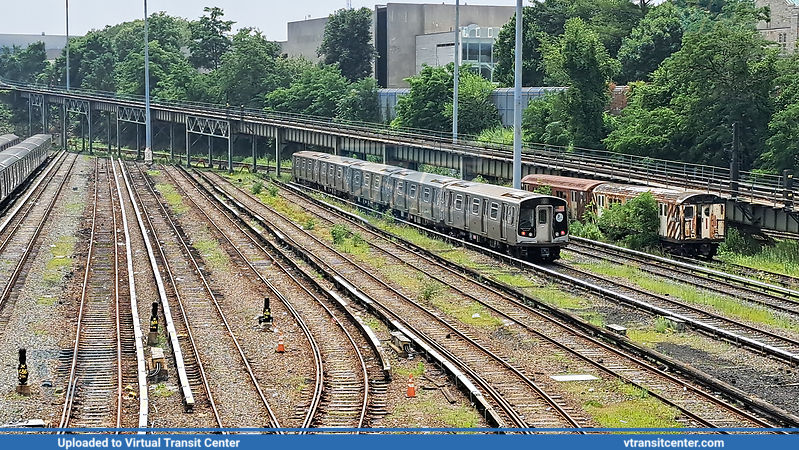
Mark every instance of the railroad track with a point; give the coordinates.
(350, 381)
(757, 292)
(222, 366)
(516, 398)
(765, 276)
(94, 394)
(698, 406)
(21, 228)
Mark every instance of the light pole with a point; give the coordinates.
(148, 146)
(456, 74)
(67, 44)
(517, 102)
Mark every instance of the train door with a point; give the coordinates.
(506, 222)
(663, 218)
(543, 222)
(484, 218)
(465, 211)
(689, 219)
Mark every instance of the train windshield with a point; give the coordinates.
(527, 220)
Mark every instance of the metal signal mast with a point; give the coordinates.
(349, 4)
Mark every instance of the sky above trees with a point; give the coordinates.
(269, 16)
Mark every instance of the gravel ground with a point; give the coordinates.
(38, 322)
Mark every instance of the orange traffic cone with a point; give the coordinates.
(411, 387)
(280, 347)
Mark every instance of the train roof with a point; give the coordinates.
(505, 193)
(17, 152)
(424, 177)
(6, 138)
(559, 182)
(661, 194)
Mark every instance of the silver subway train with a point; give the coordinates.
(8, 140)
(525, 224)
(19, 161)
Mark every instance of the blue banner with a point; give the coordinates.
(396, 439)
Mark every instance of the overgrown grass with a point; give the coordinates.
(46, 300)
(782, 257)
(153, 172)
(212, 253)
(615, 404)
(74, 207)
(60, 261)
(416, 371)
(172, 197)
(726, 305)
(161, 390)
(425, 406)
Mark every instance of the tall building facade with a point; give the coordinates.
(783, 28)
(406, 36)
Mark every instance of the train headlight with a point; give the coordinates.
(559, 217)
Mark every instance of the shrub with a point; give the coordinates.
(257, 187)
(634, 223)
(340, 233)
(273, 190)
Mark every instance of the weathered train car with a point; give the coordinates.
(691, 222)
(576, 191)
(523, 223)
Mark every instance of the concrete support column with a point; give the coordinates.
(230, 153)
(171, 141)
(44, 114)
(188, 144)
(119, 148)
(64, 130)
(30, 116)
(82, 133)
(109, 133)
(278, 148)
(337, 145)
(210, 152)
(89, 120)
(138, 144)
(254, 154)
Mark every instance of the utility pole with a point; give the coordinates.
(517, 102)
(456, 74)
(148, 136)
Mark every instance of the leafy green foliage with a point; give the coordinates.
(359, 102)
(340, 233)
(347, 42)
(248, 71)
(476, 112)
(634, 223)
(424, 106)
(655, 38)
(579, 60)
(497, 135)
(782, 147)
(208, 41)
(316, 92)
(23, 64)
(717, 78)
(543, 189)
(257, 187)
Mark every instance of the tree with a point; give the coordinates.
(317, 92)
(359, 102)
(26, 64)
(476, 112)
(248, 70)
(655, 38)
(634, 223)
(579, 60)
(717, 78)
(208, 41)
(425, 105)
(505, 53)
(348, 42)
(782, 147)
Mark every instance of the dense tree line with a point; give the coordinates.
(694, 67)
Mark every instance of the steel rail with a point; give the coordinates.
(217, 306)
(317, 351)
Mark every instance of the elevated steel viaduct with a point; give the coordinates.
(763, 201)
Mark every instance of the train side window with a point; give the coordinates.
(476, 206)
(338, 173)
(330, 172)
(511, 215)
(600, 199)
(399, 188)
(707, 208)
(377, 181)
(412, 191)
(426, 195)
(366, 179)
(459, 202)
(542, 217)
(356, 180)
(494, 211)
(574, 193)
(689, 212)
